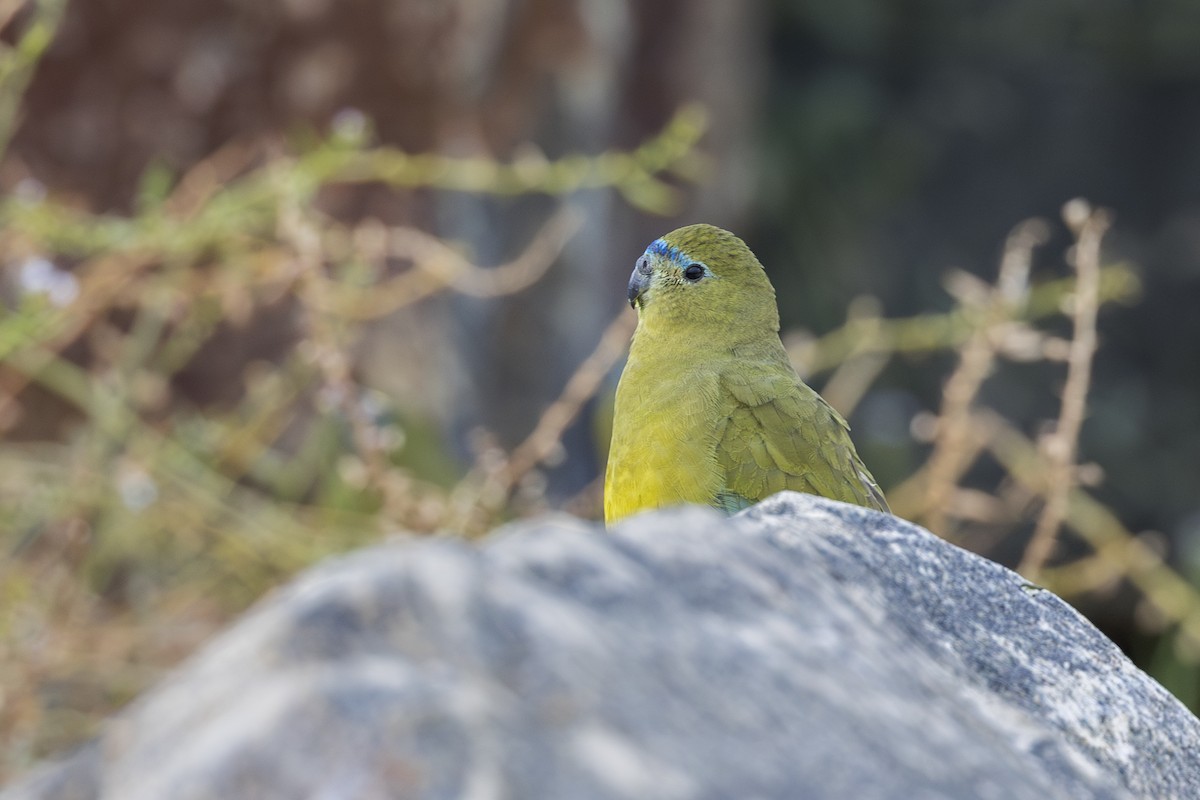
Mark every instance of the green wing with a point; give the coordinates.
(780, 434)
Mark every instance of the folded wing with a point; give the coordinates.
(779, 434)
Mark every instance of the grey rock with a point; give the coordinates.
(804, 649)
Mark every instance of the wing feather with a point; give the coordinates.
(780, 434)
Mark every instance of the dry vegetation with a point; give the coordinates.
(149, 521)
(137, 529)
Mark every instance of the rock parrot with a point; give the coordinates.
(709, 410)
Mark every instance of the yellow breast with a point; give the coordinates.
(664, 440)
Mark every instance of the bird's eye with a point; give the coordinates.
(694, 272)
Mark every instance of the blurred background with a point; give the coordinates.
(279, 278)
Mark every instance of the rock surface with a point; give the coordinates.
(805, 649)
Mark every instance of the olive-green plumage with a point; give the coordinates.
(709, 409)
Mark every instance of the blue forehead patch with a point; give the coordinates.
(661, 248)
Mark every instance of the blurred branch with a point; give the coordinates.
(931, 333)
(1089, 227)
(497, 477)
(178, 463)
(1121, 553)
(633, 174)
(209, 176)
(236, 221)
(18, 61)
(437, 266)
(990, 308)
(150, 500)
(545, 438)
(995, 319)
(46, 331)
(854, 376)
(323, 333)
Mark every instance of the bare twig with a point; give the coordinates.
(102, 280)
(544, 441)
(634, 174)
(1089, 227)
(909, 499)
(581, 387)
(208, 176)
(330, 354)
(935, 333)
(1125, 554)
(437, 266)
(847, 385)
(992, 307)
(213, 512)
(18, 61)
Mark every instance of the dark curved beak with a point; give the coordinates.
(639, 281)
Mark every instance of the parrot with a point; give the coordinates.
(708, 408)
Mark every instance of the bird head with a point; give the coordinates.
(701, 276)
